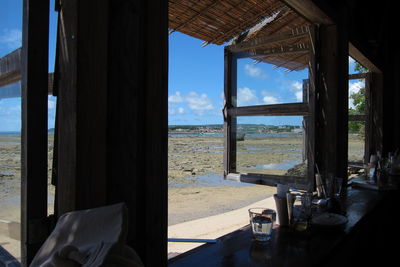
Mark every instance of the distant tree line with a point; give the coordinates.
(359, 105)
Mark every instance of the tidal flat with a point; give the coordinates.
(195, 168)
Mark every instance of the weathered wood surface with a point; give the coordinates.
(230, 122)
(292, 109)
(34, 71)
(311, 248)
(10, 72)
(271, 39)
(10, 68)
(332, 103)
(309, 10)
(113, 115)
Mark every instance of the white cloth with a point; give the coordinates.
(89, 238)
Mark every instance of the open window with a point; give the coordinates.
(269, 125)
(358, 148)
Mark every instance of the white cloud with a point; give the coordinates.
(175, 98)
(297, 88)
(354, 87)
(254, 71)
(12, 39)
(246, 96)
(351, 61)
(270, 100)
(198, 103)
(51, 103)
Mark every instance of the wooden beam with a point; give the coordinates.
(269, 179)
(357, 76)
(361, 117)
(10, 72)
(10, 68)
(260, 53)
(276, 38)
(34, 69)
(356, 54)
(292, 109)
(309, 10)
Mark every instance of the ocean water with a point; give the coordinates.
(210, 179)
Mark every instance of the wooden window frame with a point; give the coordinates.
(363, 117)
(231, 111)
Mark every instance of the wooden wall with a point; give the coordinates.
(113, 114)
(34, 71)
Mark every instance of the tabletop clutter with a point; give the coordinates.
(381, 170)
(299, 210)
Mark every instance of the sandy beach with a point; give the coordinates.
(197, 189)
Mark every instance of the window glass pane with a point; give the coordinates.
(271, 145)
(356, 141)
(10, 168)
(264, 84)
(52, 101)
(357, 97)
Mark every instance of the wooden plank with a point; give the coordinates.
(67, 108)
(311, 120)
(260, 41)
(10, 68)
(357, 76)
(269, 179)
(10, 72)
(374, 84)
(34, 69)
(137, 120)
(82, 100)
(230, 122)
(356, 54)
(358, 117)
(292, 109)
(309, 10)
(332, 106)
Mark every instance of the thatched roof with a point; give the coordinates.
(243, 22)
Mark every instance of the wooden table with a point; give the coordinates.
(286, 248)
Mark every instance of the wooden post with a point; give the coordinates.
(137, 142)
(34, 127)
(230, 128)
(82, 105)
(113, 115)
(374, 84)
(332, 100)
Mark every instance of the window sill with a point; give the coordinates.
(286, 248)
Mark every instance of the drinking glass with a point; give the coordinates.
(262, 221)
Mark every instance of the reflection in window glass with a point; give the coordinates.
(271, 145)
(264, 84)
(356, 141)
(357, 97)
(10, 168)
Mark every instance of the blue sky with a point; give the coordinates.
(196, 76)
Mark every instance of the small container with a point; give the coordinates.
(282, 211)
(262, 222)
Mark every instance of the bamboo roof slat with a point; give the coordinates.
(250, 24)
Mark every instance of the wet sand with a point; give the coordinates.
(189, 158)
